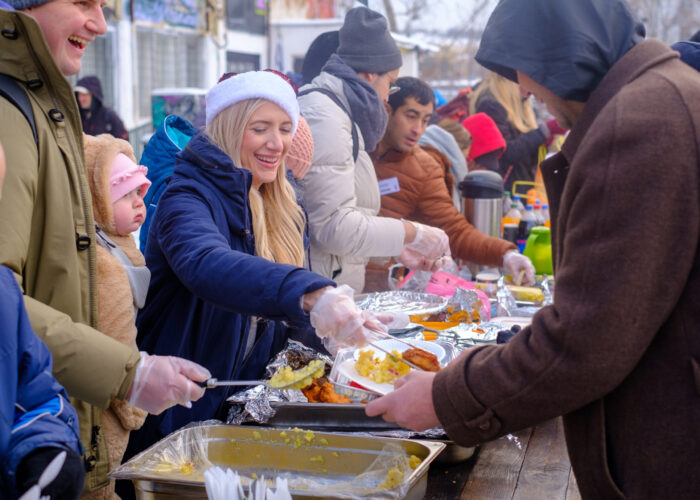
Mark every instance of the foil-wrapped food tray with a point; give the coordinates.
(411, 303)
(316, 465)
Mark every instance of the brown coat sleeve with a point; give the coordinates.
(622, 326)
(423, 197)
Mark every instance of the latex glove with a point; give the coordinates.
(410, 404)
(336, 317)
(165, 381)
(514, 263)
(66, 482)
(393, 319)
(430, 242)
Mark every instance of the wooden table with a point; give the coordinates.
(534, 465)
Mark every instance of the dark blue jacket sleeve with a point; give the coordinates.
(205, 263)
(41, 413)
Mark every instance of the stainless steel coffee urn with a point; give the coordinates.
(482, 203)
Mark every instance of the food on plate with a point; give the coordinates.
(322, 391)
(305, 375)
(385, 371)
(426, 360)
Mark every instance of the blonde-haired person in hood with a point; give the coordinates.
(618, 352)
(117, 185)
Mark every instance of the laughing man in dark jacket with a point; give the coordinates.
(618, 353)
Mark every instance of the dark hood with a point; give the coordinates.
(565, 45)
(92, 83)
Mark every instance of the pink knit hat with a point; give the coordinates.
(301, 152)
(126, 176)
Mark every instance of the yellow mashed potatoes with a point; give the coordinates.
(393, 478)
(385, 371)
(307, 374)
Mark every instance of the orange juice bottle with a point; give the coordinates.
(512, 216)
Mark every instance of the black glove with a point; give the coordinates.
(505, 335)
(67, 485)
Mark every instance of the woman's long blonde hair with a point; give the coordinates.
(507, 93)
(278, 220)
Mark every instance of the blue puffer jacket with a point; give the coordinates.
(170, 138)
(34, 408)
(206, 284)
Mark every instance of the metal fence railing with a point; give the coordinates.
(138, 137)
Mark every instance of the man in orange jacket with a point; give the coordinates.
(412, 183)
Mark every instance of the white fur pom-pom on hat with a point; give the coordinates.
(253, 85)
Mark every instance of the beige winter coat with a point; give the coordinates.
(47, 234)
(115, 310)
(342, 195)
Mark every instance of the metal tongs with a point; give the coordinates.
(389, 353)
(215, 382)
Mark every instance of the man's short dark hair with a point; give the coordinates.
(411, 87)
(695, 37)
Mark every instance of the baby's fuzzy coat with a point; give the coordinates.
(116, 316)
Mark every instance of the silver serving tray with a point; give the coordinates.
(326, 417)
(411, 303)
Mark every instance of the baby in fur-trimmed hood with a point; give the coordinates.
(117, 185)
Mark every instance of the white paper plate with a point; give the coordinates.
(347, 368)
(397, 345)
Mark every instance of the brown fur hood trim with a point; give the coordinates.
(100, 152)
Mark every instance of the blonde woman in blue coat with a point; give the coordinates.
(226, 251)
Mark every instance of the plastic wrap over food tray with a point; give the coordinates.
(411, 303)
(314, 464)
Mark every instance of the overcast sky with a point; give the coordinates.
(441, 14)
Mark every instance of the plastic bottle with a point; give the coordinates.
(506, 201)
(545, 215)
(539, 216)
(527, 222)
(513, 215)
(509, 223)
(517, 201)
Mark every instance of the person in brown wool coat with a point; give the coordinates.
(118, 185)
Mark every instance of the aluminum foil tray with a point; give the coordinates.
(327, 465)
(411, 303)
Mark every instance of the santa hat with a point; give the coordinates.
(252, 85)
(486, 137)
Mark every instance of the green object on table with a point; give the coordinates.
(539, 249)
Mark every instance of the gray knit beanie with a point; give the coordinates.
(366, 44)
(25, 4)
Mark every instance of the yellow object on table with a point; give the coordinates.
(306, 375)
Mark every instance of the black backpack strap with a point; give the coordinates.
(11, 90)
(339, 103)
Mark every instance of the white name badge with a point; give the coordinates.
(388, 186)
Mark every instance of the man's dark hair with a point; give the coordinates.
(411, 87)
(695, 37)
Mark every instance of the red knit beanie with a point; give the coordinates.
(485, 135)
